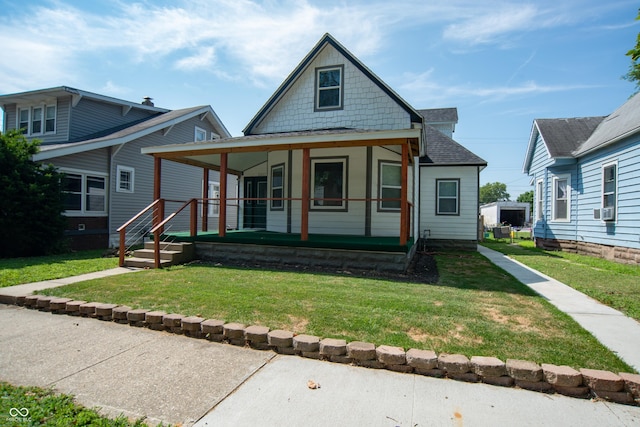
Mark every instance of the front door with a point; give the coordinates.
(255, 211)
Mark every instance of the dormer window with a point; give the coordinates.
(329, 88)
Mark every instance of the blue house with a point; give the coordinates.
(586, 177)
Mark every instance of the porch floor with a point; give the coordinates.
(326, 241)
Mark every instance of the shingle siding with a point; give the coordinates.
(365, 105)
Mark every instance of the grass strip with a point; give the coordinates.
(16, 271)
(614, 284)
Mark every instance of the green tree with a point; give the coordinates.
(527, 197)
(31, 200)
(493, 192)
(634, 69)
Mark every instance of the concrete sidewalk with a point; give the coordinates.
(616, 331)
(175, 379)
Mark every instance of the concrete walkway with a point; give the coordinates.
(175, 379)
(616, 331)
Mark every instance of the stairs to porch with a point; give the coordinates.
(170, 254)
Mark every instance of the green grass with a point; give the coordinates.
(16, 271)
(31, 406)
(474, 309)
(614, 284)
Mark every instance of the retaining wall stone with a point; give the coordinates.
(191, 326)
(561, 376)
(119, 314)
(73, 307)
(454, 364)
(522, 370)
(172, 322)
(424, 360)
(359, 351)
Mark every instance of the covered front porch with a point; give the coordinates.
(341, 190)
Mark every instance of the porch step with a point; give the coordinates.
(170, 254)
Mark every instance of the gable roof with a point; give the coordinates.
(442, 150)
(561, 137)
(622, 123)
(439, 115)
(77, 94)
(138, 130)
(327, 39)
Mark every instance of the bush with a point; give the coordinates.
(31, 200)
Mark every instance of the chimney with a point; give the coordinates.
(147, 101)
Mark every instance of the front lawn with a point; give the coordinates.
(614, 284)
(34, 406)
(16, 271)
(474, 309)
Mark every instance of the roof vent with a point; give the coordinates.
(147, 101)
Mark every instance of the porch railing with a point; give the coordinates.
(151, 220)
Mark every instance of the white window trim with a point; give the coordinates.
(199, 130)
(602, 193)
(381, 166)
(557, 178)
(457, 197)
(213, 209)
(539, 200)
(345, 185)
(132, 172)
(340, 87)
(43, 118)
(84, 173)
(273, 203)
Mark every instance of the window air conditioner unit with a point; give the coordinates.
(596, 213)
(608, 214)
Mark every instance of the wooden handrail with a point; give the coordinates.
(170, 217)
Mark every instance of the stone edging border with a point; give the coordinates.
(583, 383)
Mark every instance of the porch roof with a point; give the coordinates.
(251, 150)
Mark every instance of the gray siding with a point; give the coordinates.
(90, 117)
(91, 161)
(61, 134)
(179, 182)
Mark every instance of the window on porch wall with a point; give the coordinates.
(390, 186)
(214, 205)
(328, 181)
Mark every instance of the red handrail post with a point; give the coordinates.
(194, 217)
(122, 247)
(306, 184)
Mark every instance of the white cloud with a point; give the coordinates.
(203, 59)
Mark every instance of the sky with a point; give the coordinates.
(502, 64)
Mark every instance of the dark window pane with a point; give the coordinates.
(447, 206)
(328, 183)
(72, 202)
(329, 78)
(329, 98)
(448, 189)
(391, 193)
(72, 183)
(391, 175)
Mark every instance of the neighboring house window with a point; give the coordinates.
(214, 193)
(37, 120)
(329, 88)
(329, 184)
(447, 197)
(125, 178)
(539, 199)
(609, 184)
(50, 119)
(200, 134)
(390, 186)
(561, 191)
(23, 120)
(277, 187)
(85, 193)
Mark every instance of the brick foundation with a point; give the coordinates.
(612, 253)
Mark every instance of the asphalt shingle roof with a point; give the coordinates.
(442, 150)
(563, 136)
(440, 115)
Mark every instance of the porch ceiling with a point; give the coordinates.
(249, 151)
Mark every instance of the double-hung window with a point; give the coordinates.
(277, 187)
(329, 184)
(36, 120)
(447, 196)
(214, 194)
(23, 120)
(390, 186)
(609, 186)
(561, 200)
(125, 179)
(329, 88)
(539, 200)
(85, 193)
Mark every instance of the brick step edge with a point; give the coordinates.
(545, 378)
